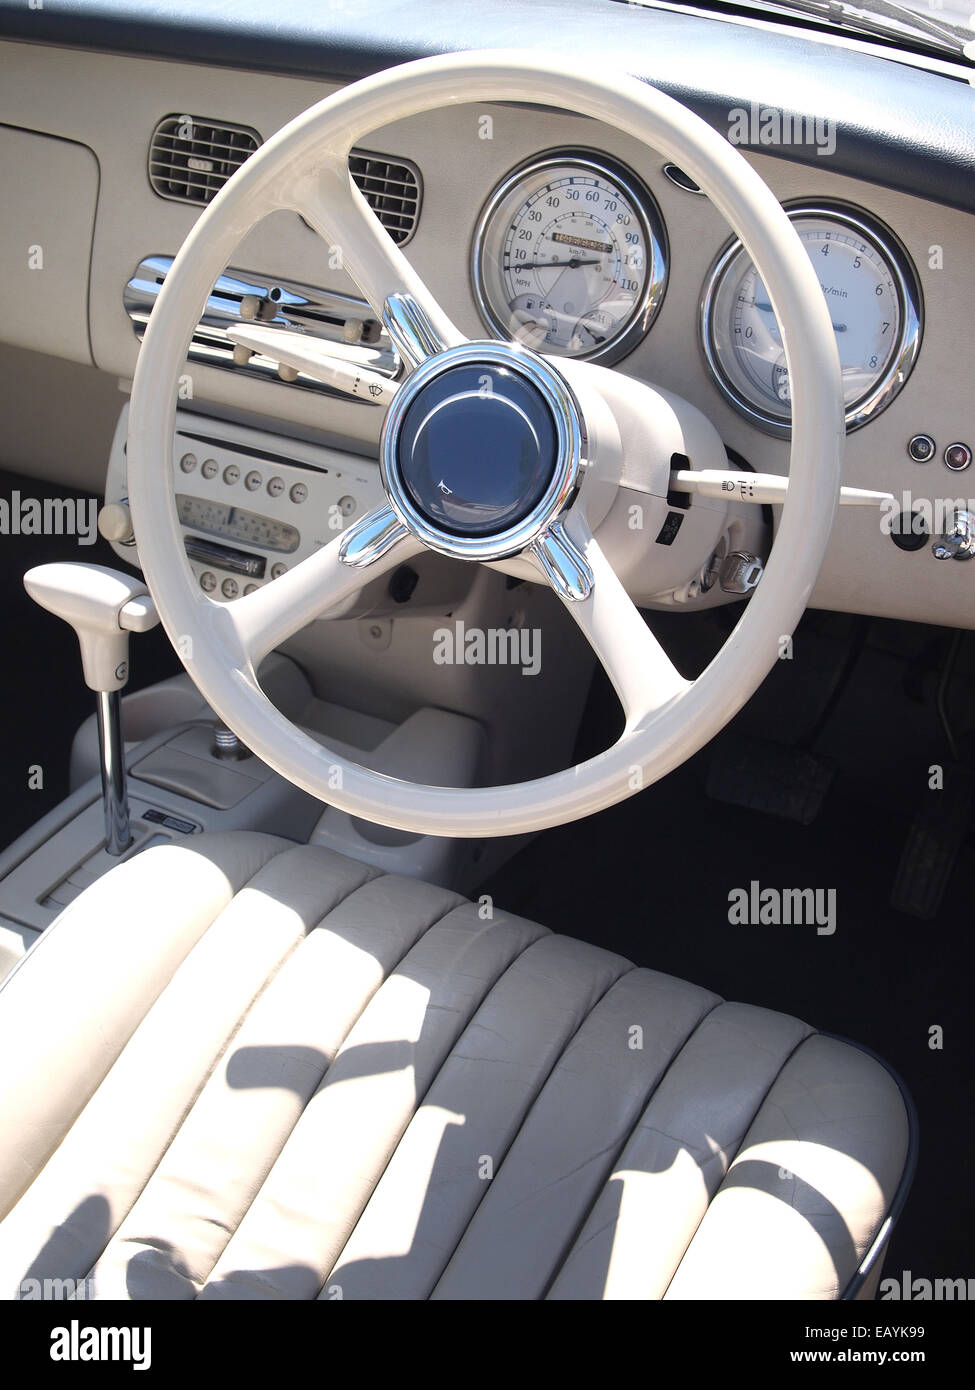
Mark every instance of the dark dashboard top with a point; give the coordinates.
(895, 124)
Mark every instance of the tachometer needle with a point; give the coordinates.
(767, 309)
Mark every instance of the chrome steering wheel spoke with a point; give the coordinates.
(641, 672)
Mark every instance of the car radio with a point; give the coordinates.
(251, 504)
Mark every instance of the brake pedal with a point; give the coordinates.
(789, 783)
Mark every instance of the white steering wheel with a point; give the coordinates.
(304, 167)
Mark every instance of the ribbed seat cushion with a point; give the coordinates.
(240, 1068)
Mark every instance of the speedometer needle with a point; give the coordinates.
(572, 264)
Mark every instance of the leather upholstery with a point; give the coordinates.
(249, 1069)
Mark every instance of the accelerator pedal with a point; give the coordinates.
(933, 842)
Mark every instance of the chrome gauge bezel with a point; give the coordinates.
(626, 338)
(910, 303)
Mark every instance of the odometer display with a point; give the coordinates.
(874, 303)
(568, 259)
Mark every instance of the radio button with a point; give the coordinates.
(275, 487)
(347, 505)
(210, 468)
(231, 474)
(208, 582)
(188, 463)
(299, 492)
(253, 480)
(230, 588)
(250, 589)
(278, 569)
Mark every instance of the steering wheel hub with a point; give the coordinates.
(481, 449)
(477, 450)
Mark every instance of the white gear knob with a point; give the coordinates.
(103, 606)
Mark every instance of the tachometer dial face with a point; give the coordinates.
(874, 304)
(569, 259)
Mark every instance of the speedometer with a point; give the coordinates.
(875, 306)
(569, 258)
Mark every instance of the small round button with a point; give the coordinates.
(958, 457)
(253, 480)
(188, 463)
(250, 589)
(208, 581)
(298, 492)
(231, 474)
(278, 569)
(921, 448)
(275, 487)
(346, 505)
(210, 468)
(230, 588)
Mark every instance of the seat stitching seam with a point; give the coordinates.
(620, 1148)
(421, 1100)
(629, 967)
(738, 1148)
(324, 1072)
(222, 1051)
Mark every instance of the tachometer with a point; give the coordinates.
(874, 302)
(569, 258)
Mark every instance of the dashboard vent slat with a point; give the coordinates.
(391, 187)
(190, 159)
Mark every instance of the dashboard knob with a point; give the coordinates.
(115, 523)
(957, 543)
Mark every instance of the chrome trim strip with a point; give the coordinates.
(322, 314)
(652, 226)
(910, 302)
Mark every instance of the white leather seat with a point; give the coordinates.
(240, 1068)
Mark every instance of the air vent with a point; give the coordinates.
(190, 159)
(391, 187)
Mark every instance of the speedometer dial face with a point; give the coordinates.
(874, 304)
(569, 259)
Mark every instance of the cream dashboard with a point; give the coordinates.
(531, 222)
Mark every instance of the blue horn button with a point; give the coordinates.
(477, 450)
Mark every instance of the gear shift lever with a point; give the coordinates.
(103, 606)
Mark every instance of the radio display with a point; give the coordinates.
(236, 524)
